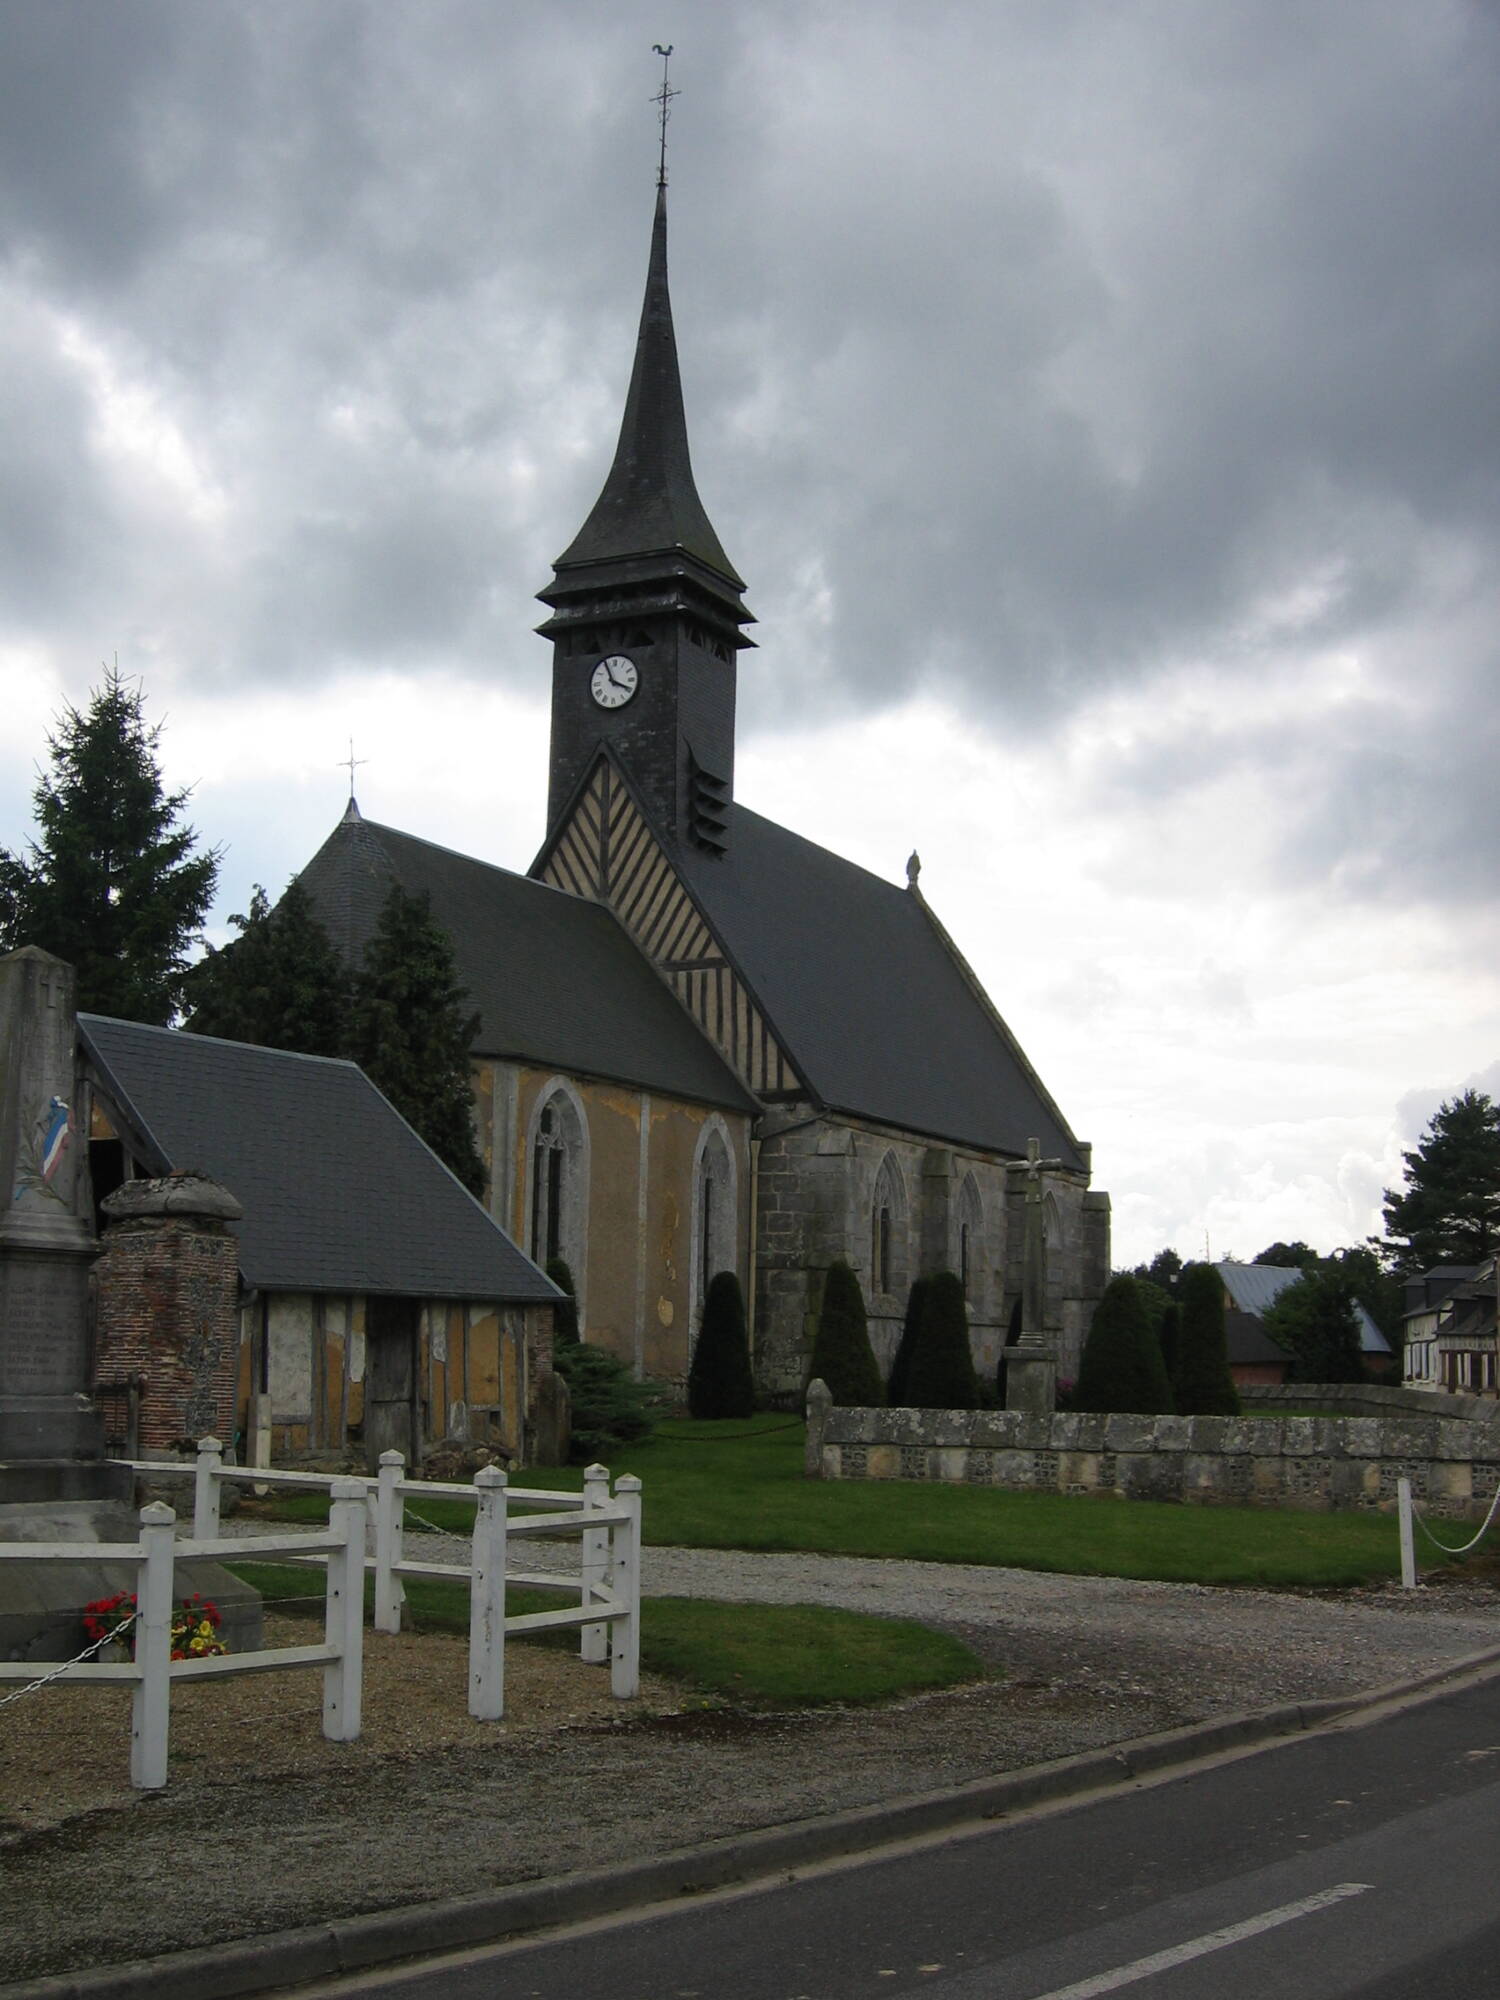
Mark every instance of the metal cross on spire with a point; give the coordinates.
(351, 764)
(663, 98)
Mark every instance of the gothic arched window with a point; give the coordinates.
(715, 1210)
(971, 1260)
(888, 1230)
(557, 1181)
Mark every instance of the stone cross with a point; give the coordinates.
(1034, 1242)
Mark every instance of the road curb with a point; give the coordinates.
(415, 1931)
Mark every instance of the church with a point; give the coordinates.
(706, 1043)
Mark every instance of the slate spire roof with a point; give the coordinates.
(650, 503)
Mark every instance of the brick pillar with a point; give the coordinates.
(167, 1290)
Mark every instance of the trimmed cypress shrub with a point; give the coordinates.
(565, 1312)
(941, 1375)
(1122, 1368)
(1204, 1385)
(895, 1388)
(720, 1383)
(842, 1354)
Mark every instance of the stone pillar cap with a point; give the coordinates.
(187, 1193)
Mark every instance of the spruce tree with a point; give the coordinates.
(1122, 1366)
(280, 984)
(113, 884)
(941, 1375)
(842, 1354)
(411, 1033)
(900, 1375)
(1203, 1385)
(720, 1383)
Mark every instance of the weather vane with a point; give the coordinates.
(350, 763)
(663, 98)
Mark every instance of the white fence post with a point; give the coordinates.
(390, 1510)
(593, 1643)
(625, 1633)
(344, 1625)
(150, 1716)
(1408, 1543)
(206, 1490)
(487, 1597)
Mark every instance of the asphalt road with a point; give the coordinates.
(1358, 1861)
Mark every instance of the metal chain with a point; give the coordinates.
(57, 1672)
(1463, 1547)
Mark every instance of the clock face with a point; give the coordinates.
(613, 681)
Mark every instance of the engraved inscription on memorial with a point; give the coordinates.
(42, 1318)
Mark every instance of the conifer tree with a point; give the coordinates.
(1449, 1210)
(1122, 1366)
(842, 1354)
(900, 1375)
(941, 1372)
(280, 984)
(113, 884)
(720, 1383)
(1203, 1386)
(411, 1033)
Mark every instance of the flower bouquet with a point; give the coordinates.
(195, 1625)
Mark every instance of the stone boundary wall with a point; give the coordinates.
(1368, 1399)
(1317, 1463)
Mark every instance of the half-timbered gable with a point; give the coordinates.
(604, 848)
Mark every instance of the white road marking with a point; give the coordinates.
(1199, 1947)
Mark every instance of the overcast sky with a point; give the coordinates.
(1100, 399)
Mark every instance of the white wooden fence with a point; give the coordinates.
(152, 1672)
(606, 1592)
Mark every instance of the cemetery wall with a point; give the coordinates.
(1317, 1463)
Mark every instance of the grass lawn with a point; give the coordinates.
(739, 1485)
(760, 1655)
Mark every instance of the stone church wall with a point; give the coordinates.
(631, 1230)
(818, 1182)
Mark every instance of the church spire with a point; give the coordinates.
(650, 504)
(648, 615)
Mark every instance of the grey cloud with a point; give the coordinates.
(1054, 348)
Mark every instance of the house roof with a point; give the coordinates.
(1248, 1343)
(872, 1002)
(1253, 1288)
(556, 981)
(339, 1193)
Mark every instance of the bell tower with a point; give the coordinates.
(647, 613)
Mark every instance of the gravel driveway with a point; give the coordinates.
(267, 1826)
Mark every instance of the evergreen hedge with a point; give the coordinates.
(1204, 1386)
(941, 1372)
(842, 1354)
(720, 1383)
(895, 1388)
(1122, 1366)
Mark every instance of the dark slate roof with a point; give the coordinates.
(868, 997)
(650, 502)
(1255, 1287)
(1248, 1342)
(339, 1193)
(556, 981)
